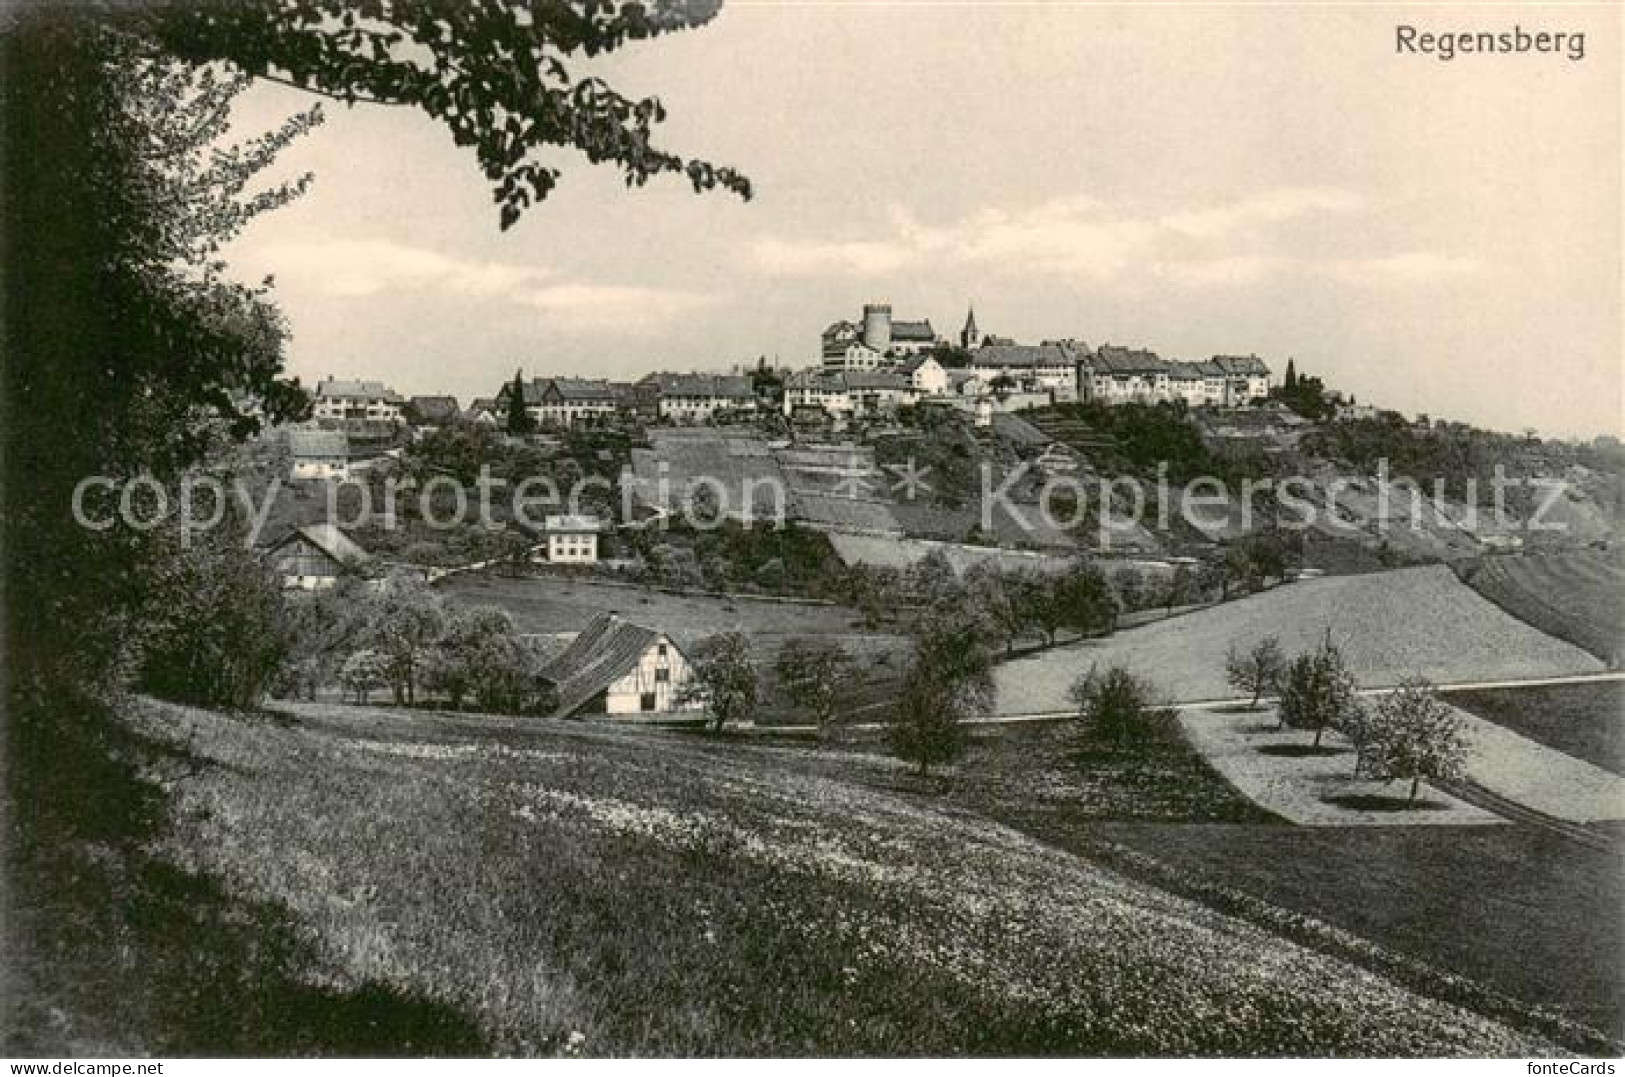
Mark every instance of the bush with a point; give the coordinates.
(1120, 707)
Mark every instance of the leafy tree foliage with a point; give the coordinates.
(1079, 599)
(498, 74)
(1256, 669)
(461, 661)
(814, 673)
(1183, 588)
(215, 631)
(723, 677)
(1004, 596)
(949, 679)
(1304, 394)
(1412, 734)
(520, 422)
(1131, 588)
(324, 627)
(364, 672)
(406, 623)
(1119, 706)
(119, 193)
(1317, 692)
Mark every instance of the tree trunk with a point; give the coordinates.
(1415, 784)
(1319, 732)
(1258, 692)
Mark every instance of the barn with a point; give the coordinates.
(618, 668)
(313, 557)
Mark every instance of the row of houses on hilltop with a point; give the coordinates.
(880, 358)
(867, 367)
(659, 397)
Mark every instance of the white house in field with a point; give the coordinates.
(572, 540)
(617, 668)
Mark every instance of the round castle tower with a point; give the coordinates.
(877, 326)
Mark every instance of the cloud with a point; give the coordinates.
(792, 259)
(1272, 207)
(1229, 244)
(1220, 272)
(356, 268)
(360, 267)
(608, 306)
(1407, 267)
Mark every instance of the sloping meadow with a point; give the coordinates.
(587, 891)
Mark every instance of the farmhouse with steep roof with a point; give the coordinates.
(615, 667)
(313, 557)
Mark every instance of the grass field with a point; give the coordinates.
(547, 888)
(1586, 721)
(1528, 912)
(1578, 596)
(556, 604)
(1390, 625)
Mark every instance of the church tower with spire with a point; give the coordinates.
(970, 338)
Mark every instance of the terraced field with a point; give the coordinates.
(1389, 625)
(1578, 596)
(559, 890)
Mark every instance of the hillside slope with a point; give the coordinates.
(1389, 625)
(585, 890)
(1578, 595)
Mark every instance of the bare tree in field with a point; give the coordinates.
(1257, 669)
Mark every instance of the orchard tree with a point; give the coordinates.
(949, 679)
(324, 626)
(458, 663)
(363, 673)
(1414, 735)
(498, 74)
(1317, 692)
(1130, 587)
(815, 673)
(1257, 669)
(723, 677)
(1080, 599)
(407, 620)
(1182, 588)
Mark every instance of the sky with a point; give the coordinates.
(1197, 179)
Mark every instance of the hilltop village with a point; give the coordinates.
(867, 369)
(898, 437)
